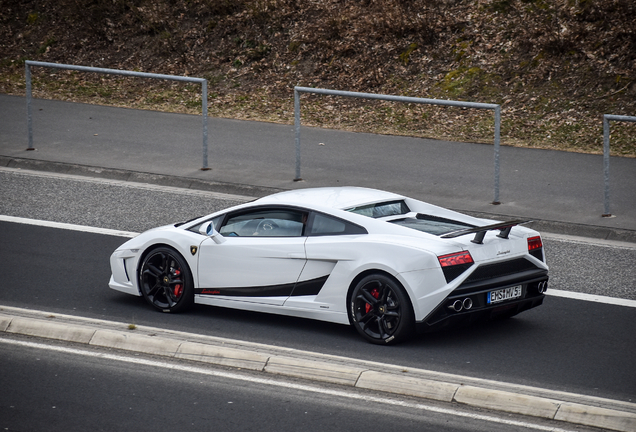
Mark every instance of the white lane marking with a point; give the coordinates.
(592, 298)
(129, 184)
(614, 244)
(283, 384)
(72, 227)
(244, 198)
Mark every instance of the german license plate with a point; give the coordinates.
(504, 294)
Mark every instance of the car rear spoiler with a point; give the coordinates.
(480, 232)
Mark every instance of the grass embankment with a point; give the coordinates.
(555, 67)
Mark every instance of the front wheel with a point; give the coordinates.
(166, 281)
(380, 310)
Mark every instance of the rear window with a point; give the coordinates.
(431, 224)
(322, 224)
(378, 210)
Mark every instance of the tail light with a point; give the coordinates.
(454, 259)
(534, 243)
(455, 264)
(535, 247)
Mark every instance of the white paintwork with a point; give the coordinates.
(408, 255)
(248, 261)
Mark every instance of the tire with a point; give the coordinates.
(381, 311)
(166, 281)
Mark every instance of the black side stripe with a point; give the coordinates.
(309, 287)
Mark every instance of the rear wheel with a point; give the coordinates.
(380, 310)
(166, 281)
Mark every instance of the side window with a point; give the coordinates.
(216, 221)
(322, 224)
(265, 223)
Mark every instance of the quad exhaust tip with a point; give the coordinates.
(543, 287)
(467, 303)
(459, 305)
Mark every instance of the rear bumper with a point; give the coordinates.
(466, 318)
(445, 316)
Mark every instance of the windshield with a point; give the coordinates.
(378, 210)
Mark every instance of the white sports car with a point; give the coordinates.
(387, 264)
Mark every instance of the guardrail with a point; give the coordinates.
(495, 107)
(204, 93)
(606, 155)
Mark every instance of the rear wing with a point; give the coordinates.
(480, 232)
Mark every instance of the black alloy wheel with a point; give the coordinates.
(381, 311)
(166, 281)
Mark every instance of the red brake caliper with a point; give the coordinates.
(178, 289)
(375, 293)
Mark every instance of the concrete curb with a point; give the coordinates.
(251, 191)
(510, 402)
(407, 385)
(138, 177)
(566, 407)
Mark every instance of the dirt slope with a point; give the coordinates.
(555, 66)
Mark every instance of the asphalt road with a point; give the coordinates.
(61, 388)
(567, 345)
(543, 185)
(592, 268)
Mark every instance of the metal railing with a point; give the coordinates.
(606, 155)
(204, 93)
(495, 107)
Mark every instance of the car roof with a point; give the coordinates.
(334, 197)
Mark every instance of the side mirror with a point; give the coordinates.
(207, 229)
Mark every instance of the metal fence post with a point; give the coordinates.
(202, 81)
(404, 99)
(606, 156)
(27, 73)
(204, 111)
(497, 139)
(297, 132)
